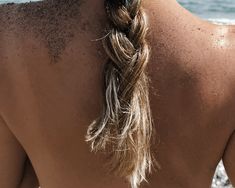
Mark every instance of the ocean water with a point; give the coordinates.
(217, 11)
(15, 1)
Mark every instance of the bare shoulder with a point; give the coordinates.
(229, 55)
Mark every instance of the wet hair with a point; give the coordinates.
(125, 128)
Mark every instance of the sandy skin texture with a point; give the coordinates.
(47, 20)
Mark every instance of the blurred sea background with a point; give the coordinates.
(219, 12)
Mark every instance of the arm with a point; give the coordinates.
(12, 158)
(29, 179)
(229, 159)
(15, 170)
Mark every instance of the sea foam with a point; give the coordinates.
(222, 21)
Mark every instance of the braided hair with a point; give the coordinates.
(124, 129)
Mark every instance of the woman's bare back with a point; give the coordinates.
(51, 90)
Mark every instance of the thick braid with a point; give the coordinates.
(124, 130)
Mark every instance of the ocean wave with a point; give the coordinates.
(222, 21)
(16, 1)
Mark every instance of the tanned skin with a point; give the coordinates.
(51, 90)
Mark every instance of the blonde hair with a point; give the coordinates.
(124, 129)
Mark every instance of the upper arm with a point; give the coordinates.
(12, 158)
(229, 158)
(29, 179)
